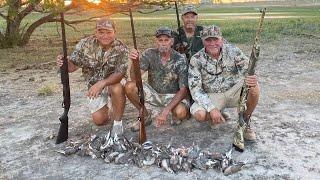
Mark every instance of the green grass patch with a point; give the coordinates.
(238, 26)
(47, 90)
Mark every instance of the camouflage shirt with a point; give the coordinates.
(208, 75)
(194, 44)
(168, 78)
(96, 63)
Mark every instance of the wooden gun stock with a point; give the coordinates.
(137, 74)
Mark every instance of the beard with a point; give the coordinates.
(163, 49)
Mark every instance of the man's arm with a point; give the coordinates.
(71, 66)
(195, 85)
(97, 88)
(179, 96)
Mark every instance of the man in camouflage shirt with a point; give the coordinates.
(216, 75)
(167, 80)
(103, 60)
(189, 34)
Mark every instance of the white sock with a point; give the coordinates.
(115, 123)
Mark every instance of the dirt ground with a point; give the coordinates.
(287, 122)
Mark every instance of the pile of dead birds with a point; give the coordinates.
(120, 150)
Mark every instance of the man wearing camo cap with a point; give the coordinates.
(166, 88)
(189, 32)
(216, 75)
(104, 61)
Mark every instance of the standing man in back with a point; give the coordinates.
(189, 34)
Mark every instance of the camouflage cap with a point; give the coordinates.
(164, 31)
(211, 31)
(105, 23)
(189, 9)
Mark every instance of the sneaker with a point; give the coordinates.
(147, 121)
(117, 129)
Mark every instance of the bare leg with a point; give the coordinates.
(253, 98)
(118, 100)
(132, 94)
(180, 112)
(101, 117)
(200, 116)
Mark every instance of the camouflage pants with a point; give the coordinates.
(155, 101)
(228, 99)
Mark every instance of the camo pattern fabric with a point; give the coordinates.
(208, 75)
(168, 78)
(158, 100)
(98, 64)
(193, 44)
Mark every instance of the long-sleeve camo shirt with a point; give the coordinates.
(208, 75)
(96, 63)
(168, 78)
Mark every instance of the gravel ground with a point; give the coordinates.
(286, 120)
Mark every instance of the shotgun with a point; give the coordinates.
(137, 74)
(63, 130)
(180, 46)
(238, 139)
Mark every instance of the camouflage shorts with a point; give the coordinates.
(155, 100)
(94, 104)
(228, 99)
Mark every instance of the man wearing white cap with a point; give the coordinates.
(104, 61)
(216, 75)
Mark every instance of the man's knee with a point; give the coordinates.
(130, 87)
(100, 117)
(200, 115)
(116, 89)
(181, 111)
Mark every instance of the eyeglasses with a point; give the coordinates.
(219, 66)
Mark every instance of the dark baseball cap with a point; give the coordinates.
(164, 31)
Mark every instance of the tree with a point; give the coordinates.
(13, 12)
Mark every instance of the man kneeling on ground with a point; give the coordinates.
(167, 80)
(216, 75)
(103, 60)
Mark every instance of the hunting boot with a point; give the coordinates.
(238, 139)
(249, 134)
(147, 121)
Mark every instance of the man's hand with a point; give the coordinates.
(96, 89)
(59, 60)
(251, 81)
(162, 117)
(216, 116)
(134, 55)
